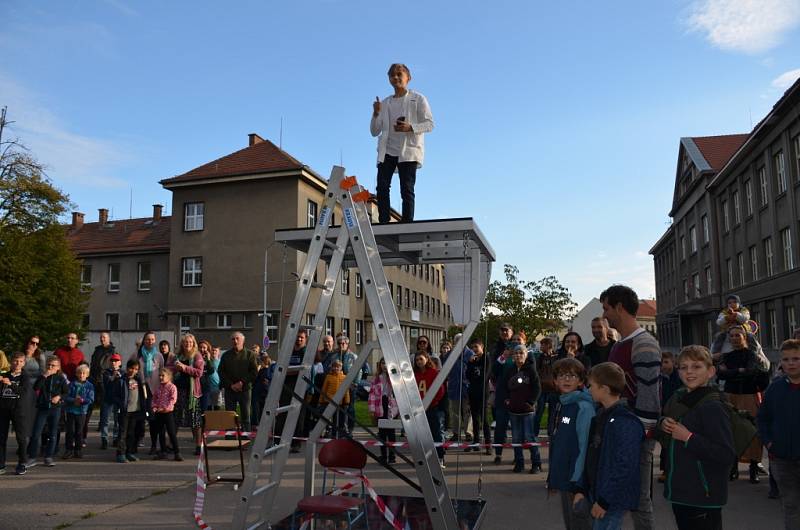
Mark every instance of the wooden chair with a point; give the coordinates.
(340, 454)
(223, 420)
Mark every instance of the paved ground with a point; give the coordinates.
(99, 493)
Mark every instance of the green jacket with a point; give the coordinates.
(237, 366)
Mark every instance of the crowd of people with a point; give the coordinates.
(608, 404)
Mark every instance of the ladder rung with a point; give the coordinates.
(262, 489)
(332, 245)
(297, 368)
(318, 285)
(274, 449)
(286, 408)
(310, 327)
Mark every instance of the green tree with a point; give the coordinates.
(537, 307)
(40, 290)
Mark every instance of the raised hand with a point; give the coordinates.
(376, 106)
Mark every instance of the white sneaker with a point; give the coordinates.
(31, 463)
(49, 462)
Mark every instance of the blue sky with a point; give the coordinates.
(557, 123)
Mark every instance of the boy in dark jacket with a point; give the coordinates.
(779, 430)
(549, 395)
(569, 441)
(612, 459)
(51, 389)
(522, 390)
(478, 379)
(16, 406)
(696, 430)
(132, 401)
(111, 375)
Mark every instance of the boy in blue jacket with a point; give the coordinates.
(779, 430)
(79, 398)
(569, 441)
(612, 459)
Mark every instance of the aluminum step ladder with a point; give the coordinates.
(352, 198)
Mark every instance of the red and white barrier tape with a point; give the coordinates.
(200, 494)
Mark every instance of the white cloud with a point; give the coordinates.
(70, 158)
(749, 26)
(786, 79)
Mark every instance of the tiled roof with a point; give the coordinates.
(262, 157)
(717, 150)
(647, 308)
(130, 235)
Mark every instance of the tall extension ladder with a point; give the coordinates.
(359, 235)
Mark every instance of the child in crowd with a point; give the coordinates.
(131, 401)
(569, 441)
(425, 372)
(670, 382)
(79, 398)
(522, 392)
(51, 389)
(382, 405)
(16, 407)
(110, 376)
(332, 382)
(478, 378)
(261, 385)
(612, 459)
(164, 399)
(696, 429)
(779, 430)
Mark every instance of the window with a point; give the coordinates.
(345, 281)
(754, 263)
(193, 216)
(696, 285)
(186, 323)
(769, 257)
(113, 277)
(144, 276)
(737, 211)
(112, 321)
(309, 319)
(358, 286)
(192, 272)
(311, 215)
(762, 182)
(329, 323)
(272, 326)
(740, 265)
(247, 320)
(726, 222)
(786, 240)
(399, 296)
(427, 304)
(706, 231)
(685, 291)
(224, 320)
(780, 172)
(773, 328)
(359, 332)
(796, 143)
(708, 280)
(748, 196)
(683, 248)
(86, 321)
(427, 273)
(693, 239)
(346, 327)
(142, 321)
(407, 297)
(438, 307)
(791, 320)
(414, 300)
(86, 278)
(437, 276)
(729, 268)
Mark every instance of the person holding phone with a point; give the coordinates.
(400, 122)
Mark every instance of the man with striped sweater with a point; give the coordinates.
(639, 355)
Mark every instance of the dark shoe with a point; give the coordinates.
(498, 460)
(536, 469)
(78, 454)
(104, 443)
(153, 451)
(518, 468)
(392, 459)
(21, 469)
(488, 452)
(754, 474)
(31, 463)
(178, 457)
(48, 462)
(131, 458)
(121, 459)
(159, 456)
(773, 494)
(67, 455)
(734, 474)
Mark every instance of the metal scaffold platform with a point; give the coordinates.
(466, 255)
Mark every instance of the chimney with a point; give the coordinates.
(77, 220)
(157, 210)
(254, 139)
(103, 215)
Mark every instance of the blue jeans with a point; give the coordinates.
(50, 417)
(612, 520)
(106, 411)
(547, 398)
(500, 427)
(435, 420)
(522, 431)
(787, 474)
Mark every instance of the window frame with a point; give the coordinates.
(770, 257)
(737, 209)
(224, 320)
(780, 172)
(112, 321)
(185, 327)
(693, 239)
(86, 286)
(763, 186)
(140, 326)
(706, 229)
(312, 213)
(359, 292)
(198, 213)
(754, 263)
(726, 221)
(194, 273)
(359, 336)
(144, 285)
(696, 284)
(748, 196)
(345, 283)
(740, 266)
(786, 247)
(113, 286)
